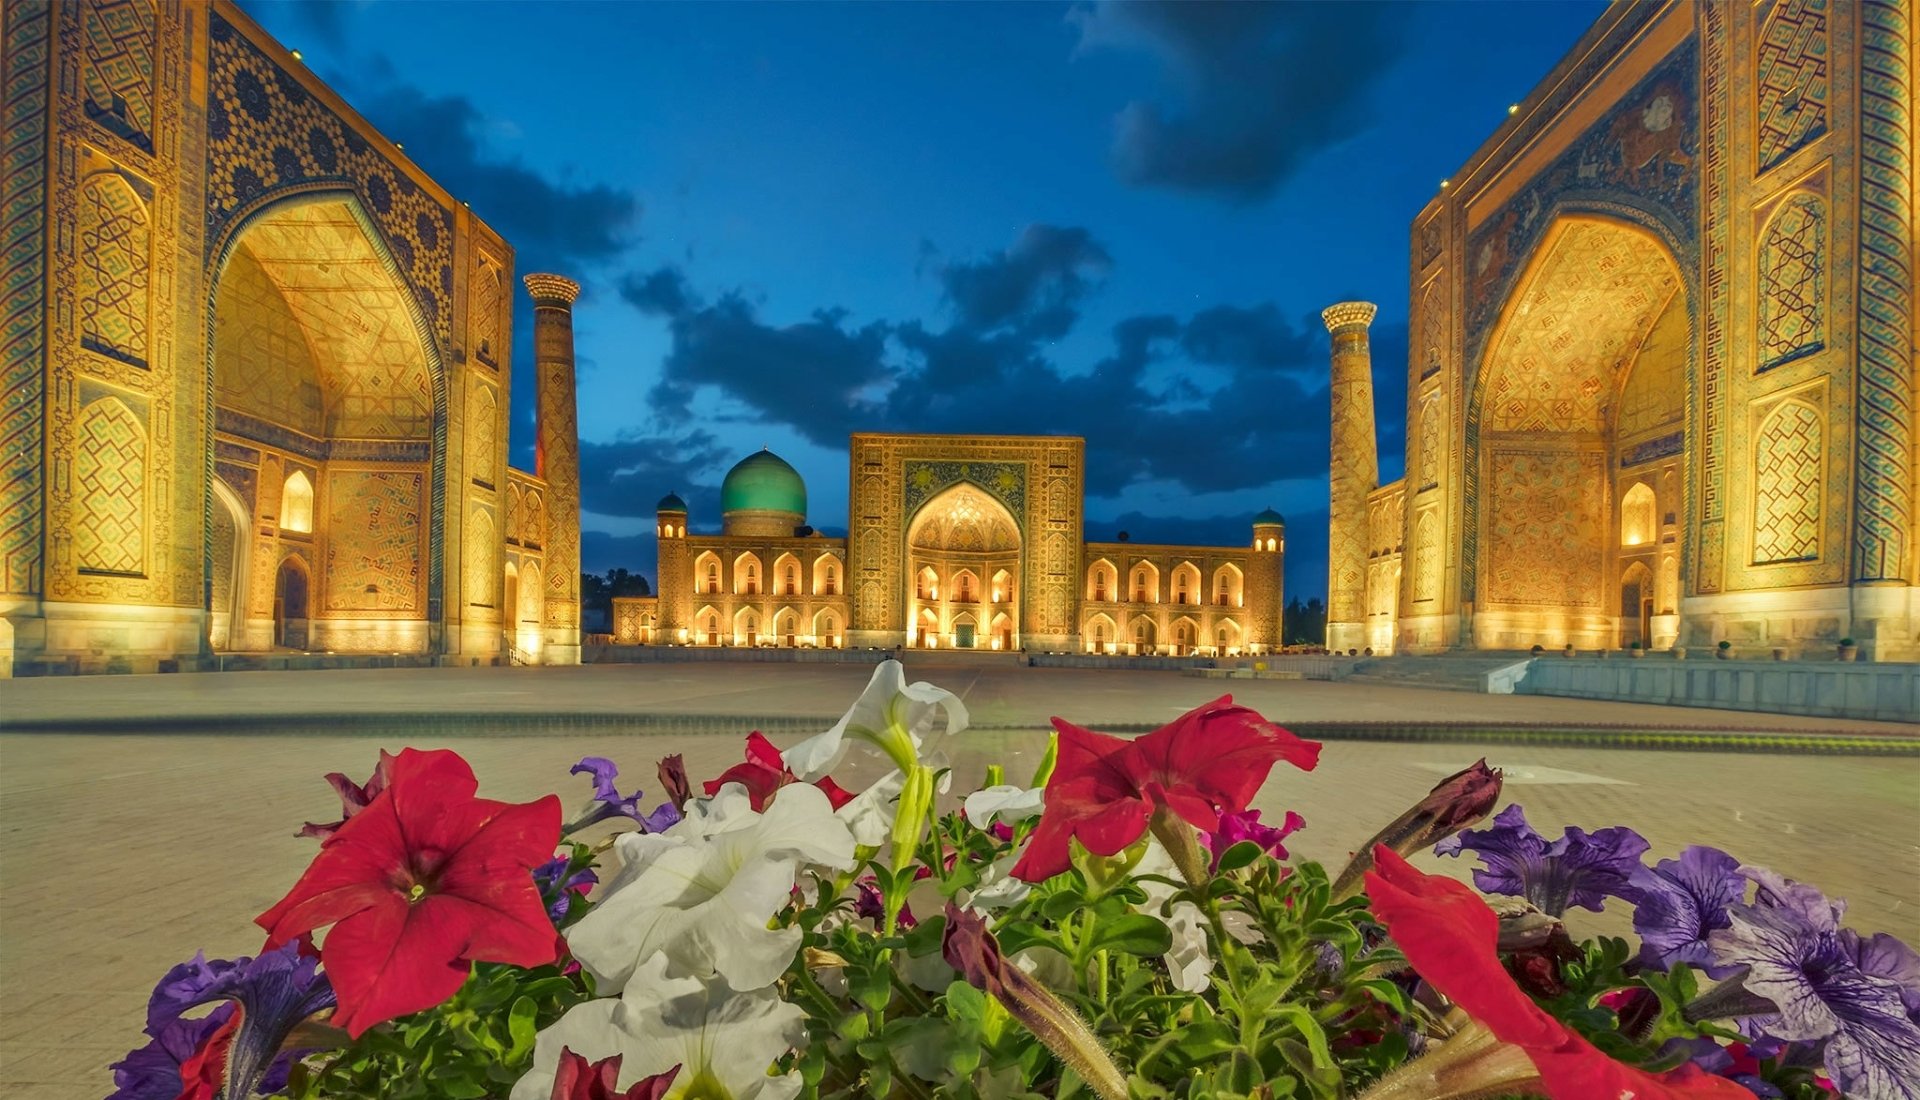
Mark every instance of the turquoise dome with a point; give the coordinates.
(671, 503)
(1269, 517)
(763, 483)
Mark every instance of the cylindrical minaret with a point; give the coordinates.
(1354, 473)
(675, 582)
(557, 460)
(1265, 596)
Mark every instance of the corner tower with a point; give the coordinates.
(1265, 597)
(674, 575)
(1354, 472)
(557, 459)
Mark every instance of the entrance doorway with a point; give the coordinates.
(290, 605)
(1636, 606)
(963, 635)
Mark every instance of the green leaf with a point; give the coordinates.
(1238, 856)
(924, 938)
(520, 1025)
(1135, 934)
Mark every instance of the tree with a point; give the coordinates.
(1304, 624)
(597, 592)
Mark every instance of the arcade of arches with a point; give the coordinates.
(945, 556)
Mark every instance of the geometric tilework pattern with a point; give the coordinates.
(375, 541)
(23, 310)
(482, 414)
(115, 247)
(266, 132)
(1427, 473)
(1790, 88)
(262, 364)
(1786, 483)
(110, 484)
(1426, 556)
(967, 520)
(1791, 285)
(1546, 548)
(1653, 399)
(366, 350)
(1581, 316)
(118, 76)
(1883, 514)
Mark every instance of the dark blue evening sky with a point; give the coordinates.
(798, 220)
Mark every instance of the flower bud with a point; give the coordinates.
(969, 948)
(1455, 802)
(673, 780)
(1047, 760)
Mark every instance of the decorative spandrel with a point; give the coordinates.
(1004, 481)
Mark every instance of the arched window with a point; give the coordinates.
(296, 504)
(1637, 522)
(833, 582)
(793, 580)
(713, 576)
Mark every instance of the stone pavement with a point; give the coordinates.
(121, 855)
(997, 696)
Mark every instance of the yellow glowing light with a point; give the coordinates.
(1444, 184)
(295, 54)
(1513, 109)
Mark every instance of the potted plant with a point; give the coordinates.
(1724, 650)
(1636, 650)
(1679, 653)
(1848, 651)
(1568, 651)
(1779, 653)
(1538, 650)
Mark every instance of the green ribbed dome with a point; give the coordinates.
(671, 503)
(1269, 516)
(763, 483)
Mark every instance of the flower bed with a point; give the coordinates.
(1119, 925)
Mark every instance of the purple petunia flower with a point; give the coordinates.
(1580, 868)
(1796, 955)
(868, 903)
(608, 803)
(1245, 825)
(152, 1072)
(275, 992)
(557, 894)
(1678, 901)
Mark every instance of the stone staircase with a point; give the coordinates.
(1445, 671)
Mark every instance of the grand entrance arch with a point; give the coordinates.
(1580, 408)
(327, 389)
(963, 551)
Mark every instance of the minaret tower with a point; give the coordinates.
(1354, 473)
(674, 573)
(557, 460)
(1264, 594)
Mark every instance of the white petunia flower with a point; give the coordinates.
(703, 897)
(723, 1040)
(1006, 803)
(998, 888)
(891, 716)
(1190, 961)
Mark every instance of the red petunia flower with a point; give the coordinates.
(1209, 761)
(578, 1079)
(421, 884)
(764, 772)
(1450, 936)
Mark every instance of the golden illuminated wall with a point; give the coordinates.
(1147, 599)
(758, 591)
(194, 215)
(1683, 269)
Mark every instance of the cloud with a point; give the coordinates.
(1256, 89)
(326, 22)
(551, 224)
(628, 476)
(1262, 419)
(1032, 286)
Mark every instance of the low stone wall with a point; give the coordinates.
(689, 654)
(1826, 689)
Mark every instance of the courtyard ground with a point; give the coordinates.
(122, 852)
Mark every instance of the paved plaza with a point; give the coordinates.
(123, 853)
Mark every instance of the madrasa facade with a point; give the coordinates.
(1661, 383)
(256, 370)
(954, 542)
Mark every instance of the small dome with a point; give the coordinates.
(763, 483)
(671, 503)
(1269, 518)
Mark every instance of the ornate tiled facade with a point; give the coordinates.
(255, 362)
(957, 541)
(1686, 272)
